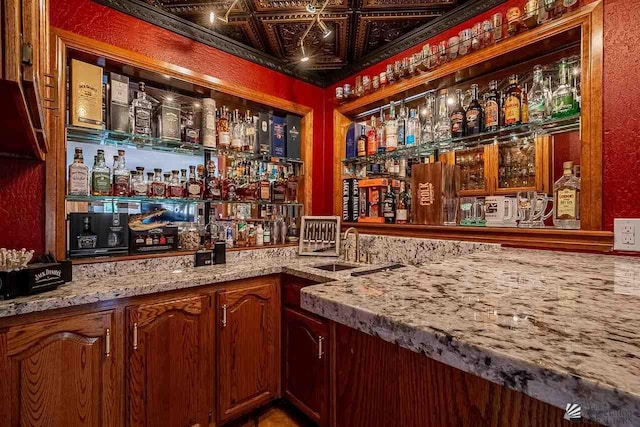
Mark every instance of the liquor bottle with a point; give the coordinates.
(195, 184)
(563, 102)
(157, 186)
(175, 188)
(443, 125)
(100, 176)
(389, 206)
(381, 130)
(525, 105)
(402, 207)
(403, 116)
(141, 112)
(149, 183)
(539, 98)
(237, 132)
(87, 239)
(412, 128)
(121, 177)
(492, 108)
(267, 233)
(214, 187)
(138, 186)
(183, 181)
(190, 134)
(280, 188)
(513, 103)
(457, 117)
(167, 184)
(250, 139)
(474, 115)
(428, 119)
(264, 192)
(292, 187)
(259, 235)
(209, 123)
(224, 137)
(372, 138)
(566, 199)
(391, 129)
(78, 175)
(361, 145)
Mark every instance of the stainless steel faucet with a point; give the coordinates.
(346, 234)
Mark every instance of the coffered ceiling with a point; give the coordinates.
(363, 31)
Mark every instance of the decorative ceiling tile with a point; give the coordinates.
(296, 5)
(408, 4)
(204, 6)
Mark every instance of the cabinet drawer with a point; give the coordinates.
(291, 287)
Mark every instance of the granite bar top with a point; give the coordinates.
(105, 288)
(560, 327)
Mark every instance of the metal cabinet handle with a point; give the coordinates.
(320, 350)
(135, 336)
(107, 343)
(224, 315)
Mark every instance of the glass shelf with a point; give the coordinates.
(141, 199)
(122, 139)
(504, 135)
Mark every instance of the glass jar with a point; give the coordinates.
(189, 237)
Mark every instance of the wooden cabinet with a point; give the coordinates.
(248, 347)
(61, 372)
(25, 78)
(170, 351)
(306, 364)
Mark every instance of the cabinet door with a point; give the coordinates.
(169, 363)
(306, 365)
(60, 372)
(248, 349)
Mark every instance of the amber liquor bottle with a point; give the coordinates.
(157, 186)
(513, 103)
(195, 184)
(280, 188)
(292, 188)
(457, 117)
(264, 192)
(492, 108)
(214, 187)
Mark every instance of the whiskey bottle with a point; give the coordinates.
(372, 138)
(100, 176)
(381, 130)
(250, 139)
(141, 112)
(175, 189)
(474, 115)
(87, 239)
(264, 192)
(539, 97)
(78, 175)
(391, 130)
(138, 186)
(121, 176)
(224, 137)
(150, 178)
(157, 186)
(361, 145)
(525, 105)
(237, 132)
(389, 206)
(492, 108)
(167, 184)
(412, 128)
(214, 188)
(194, 187)
(443, 125)
(183, 182)
(566, 199)
(403, 116)
(513, 103)
(457, 117)
(292, 187)
(402, 207)
(280, 188)
(190, 133)
(563, 102)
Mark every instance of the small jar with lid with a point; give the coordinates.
(391, 78)
(189, 237)
(366, 83)
(382, 78)
(340, 92)
(375, 83)
(359, 89)
(347, 91)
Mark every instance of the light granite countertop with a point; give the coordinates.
(92, 290)
(560, 327)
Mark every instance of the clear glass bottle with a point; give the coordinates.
(539, 99)
(141, 112)
(566, 199)
(457, 117)
(492, 108)
(121, 177)
(381, 130)
(224, 136)
(138, 186)
(372, 137)
(157, 186)
(427, 133)
(250, 143)
(78, 175)
(403, 116)
(474, 114)
(237, 132)
(194, 186)
(100, 176)
(412, 128)
(563, 102)
(391, 129)
(443, 125)
(175, 189)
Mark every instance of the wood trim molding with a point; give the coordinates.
(55, 180)
(534, 238)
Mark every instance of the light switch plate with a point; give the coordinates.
(626, 234)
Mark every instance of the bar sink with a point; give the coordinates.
(336, 266)
(378, 270)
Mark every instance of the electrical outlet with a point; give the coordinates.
(624, 234)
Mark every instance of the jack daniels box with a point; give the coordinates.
(34, 279)
(350, 199)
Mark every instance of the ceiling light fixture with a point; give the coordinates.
(225, 18)
(304, 57)
(212, 17)
(311, 8)
(325, 30)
